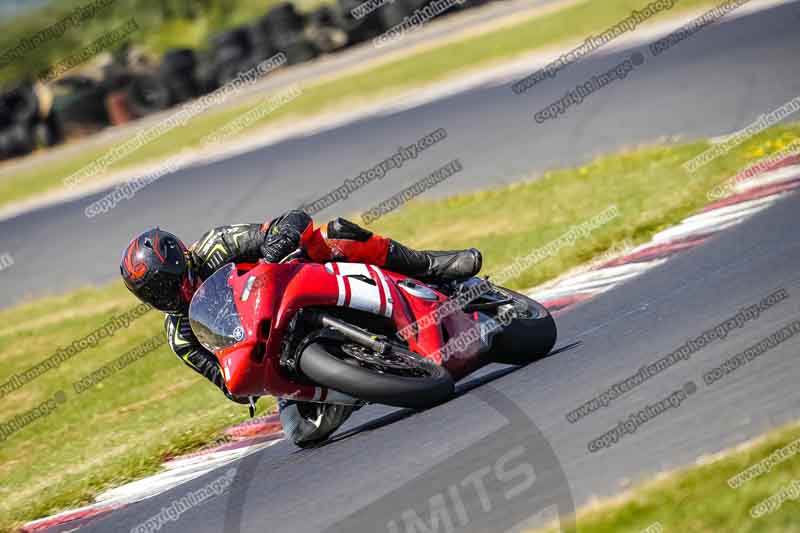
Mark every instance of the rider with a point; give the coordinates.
(161, 271)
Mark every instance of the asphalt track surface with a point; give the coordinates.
(387, 467)
(716, 82)
(382, 452)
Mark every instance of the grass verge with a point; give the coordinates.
(123, 427)
(412, 71)
(119, 430)
(699, 498)
(648, 186)
(162, 25)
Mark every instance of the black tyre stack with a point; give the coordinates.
(285, 28)
(232, 52)
(324, 30)
(361, 29)
(82, 104)
(18, 108)
(394, 13)
(16, 140)
(178, 73)
(147, 94)
(48, 132)
(260, 42)
(24, 125)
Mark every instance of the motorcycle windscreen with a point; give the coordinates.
(212, 313)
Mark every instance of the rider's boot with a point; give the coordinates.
(433, 265)
(343, 240)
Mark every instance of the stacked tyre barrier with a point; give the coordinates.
(26, 121)
(78, 105)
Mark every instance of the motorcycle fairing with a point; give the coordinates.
(268, 296)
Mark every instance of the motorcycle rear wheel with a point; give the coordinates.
(401, 378)
(527, 338)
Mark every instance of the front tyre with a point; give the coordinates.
(401, 378)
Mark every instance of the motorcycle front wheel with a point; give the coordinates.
(400, 378)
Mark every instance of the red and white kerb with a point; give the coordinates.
(359, 294)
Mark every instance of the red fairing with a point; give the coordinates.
(429, 341)
(461, 353)
(267, 297)
(251, 367)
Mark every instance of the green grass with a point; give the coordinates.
(124, 427)
(351, 90)
(698, 499)
(120, 430)
(647, 185)
(163, 24)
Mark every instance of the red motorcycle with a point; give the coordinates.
(354, 333)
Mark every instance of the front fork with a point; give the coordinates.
(301, 326)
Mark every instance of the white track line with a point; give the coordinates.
(180, 472)
(594, 282)
(769, 178)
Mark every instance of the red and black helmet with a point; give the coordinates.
(155, 267)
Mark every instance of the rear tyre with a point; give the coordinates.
(401, 378)
(528, 338)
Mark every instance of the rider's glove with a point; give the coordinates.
(283, 235)
(278, 246)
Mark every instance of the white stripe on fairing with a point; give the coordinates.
(353, 269)
(340, 283)
(365, 296)
(377, 280)
(385, 285)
